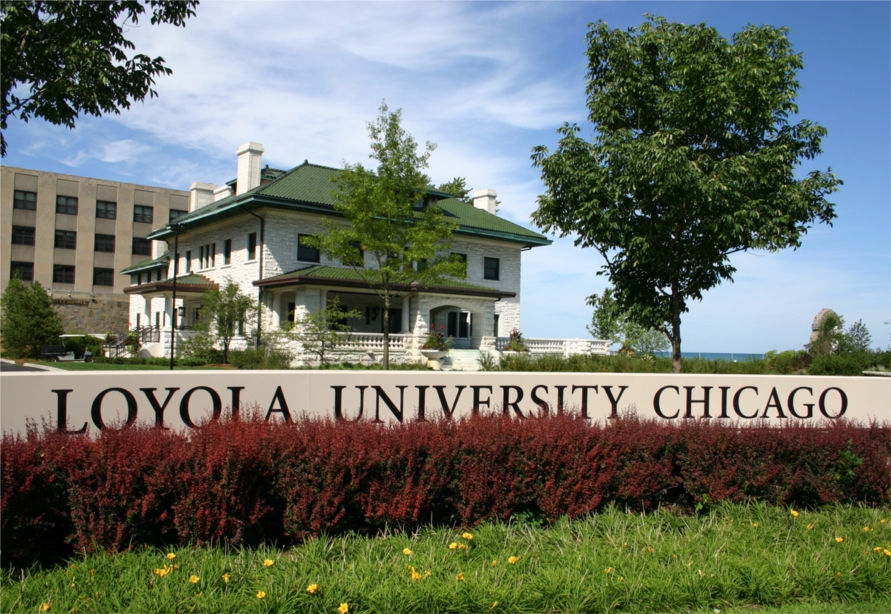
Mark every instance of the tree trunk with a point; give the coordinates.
(675, 333)
(386, 365)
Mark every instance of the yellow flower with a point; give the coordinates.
(462, 546)
(883, 520)
(794, 513)
(886, 552)
(415, 575)
(170, 556)
(621, 579)
(453, 546)
(261, 595)
(312, 589)
(194, 579)
(44, 607)
(406, 552)
(839, 539)
(877, 549)
(343, 609)
(867, 529)
(226, 578)
(494, 563)
(467, 536)
(428, 573)
(512, 560)
(810, 526)
(650, 550)
(608, 570)
(460, 577)
(494, 605)
(268, 563)
(756, 524)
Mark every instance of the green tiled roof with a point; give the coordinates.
(310, 186)
(149, 264)
(349, 274)
(191, 280)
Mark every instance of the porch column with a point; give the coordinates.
(323, 300)
(276, 310)
(406, 302)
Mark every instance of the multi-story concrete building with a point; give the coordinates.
(75, 234)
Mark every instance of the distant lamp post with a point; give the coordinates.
(176, 229)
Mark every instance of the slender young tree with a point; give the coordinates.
(693, 159)
(395, 231)
(224, 312)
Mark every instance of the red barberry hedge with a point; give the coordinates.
(248, 481)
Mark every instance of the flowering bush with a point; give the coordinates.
(248, 481)
(437, 340)
(515, 342)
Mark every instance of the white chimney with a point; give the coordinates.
(202, 194)
(485, 200)
(221, 192)
(250, 158)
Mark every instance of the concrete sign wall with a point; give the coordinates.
(92, 401)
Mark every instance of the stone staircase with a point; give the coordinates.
(461, 360)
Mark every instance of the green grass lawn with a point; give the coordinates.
(734, 559)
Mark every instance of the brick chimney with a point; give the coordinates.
(250, 159)
(485, 200)
(202, 194)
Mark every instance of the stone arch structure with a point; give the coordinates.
(466, 319)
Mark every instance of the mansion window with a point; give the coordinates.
(491, 268)
(106, 210)
(142, 246)
(188, 262)
(252, 246)
(66, 205)
(104, 243)
(63, 274)
(207, 255)
(25, 270)
(66, 239)
(305, 253)
(103, 277)
(143, 214)
(24, 200)
(22, 235)
(227, 251)
(175, 213)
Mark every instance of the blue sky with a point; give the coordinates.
(487, 82)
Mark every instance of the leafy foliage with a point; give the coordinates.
(610, 322)
(225, 314)
(72, 57)
(457, 187)
(27, 320)
(693, 160)
(398, 228)
(318, 332)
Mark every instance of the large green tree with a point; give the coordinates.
(693, 159)
(395, 232)
(27, 319)
(66, 57)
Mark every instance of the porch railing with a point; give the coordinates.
(562, 347)
(372, 341)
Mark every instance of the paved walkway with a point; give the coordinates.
(7, 366)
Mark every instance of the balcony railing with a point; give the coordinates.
(560, 347)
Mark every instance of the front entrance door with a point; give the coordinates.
(460, 329)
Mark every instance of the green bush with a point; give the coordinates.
(839, 364)
(265, 357)
(80, 344)
(790, 361)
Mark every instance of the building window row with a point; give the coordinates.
(104, 243)
(66, 239)
(62, 273)
(67, 205)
